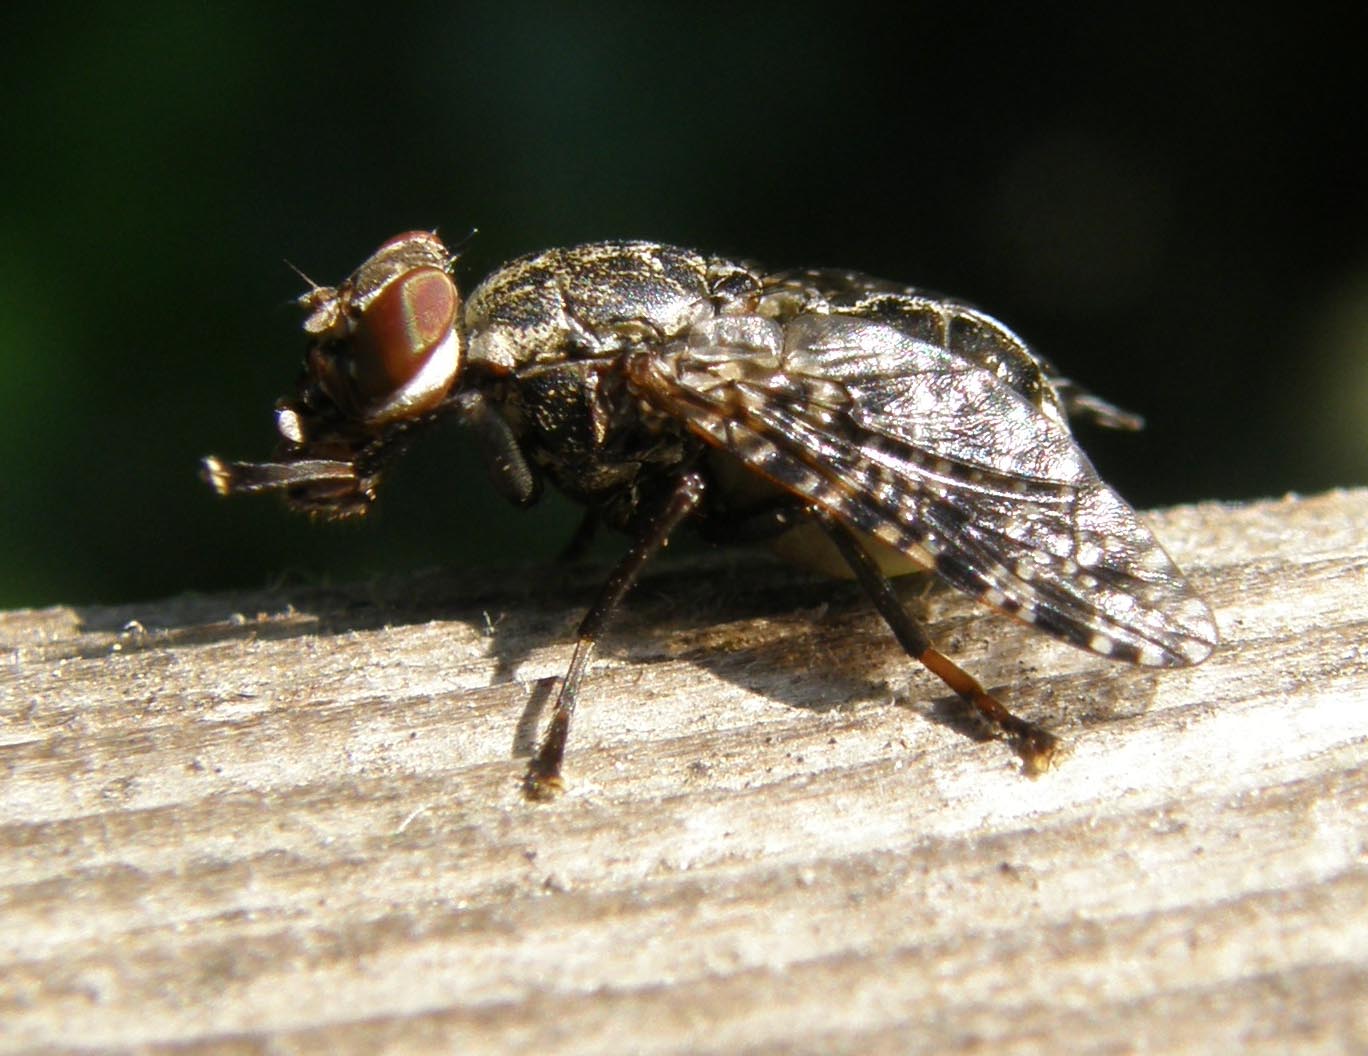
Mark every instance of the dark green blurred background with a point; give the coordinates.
(1170, 203)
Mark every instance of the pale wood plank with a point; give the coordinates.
(291, 820)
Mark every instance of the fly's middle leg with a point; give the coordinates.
(543, 779)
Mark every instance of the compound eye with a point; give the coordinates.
(405, 350)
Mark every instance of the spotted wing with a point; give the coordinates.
(931, 453)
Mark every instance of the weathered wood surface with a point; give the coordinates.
(291, 821)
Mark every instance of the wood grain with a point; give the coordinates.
(291, 821)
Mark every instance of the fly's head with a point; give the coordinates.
(386, 344)
(386, 349)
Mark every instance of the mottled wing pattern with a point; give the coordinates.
(931, 453)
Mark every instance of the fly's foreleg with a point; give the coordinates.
(512, 475)
(1033, 743)
(544, 773)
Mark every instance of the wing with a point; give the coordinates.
(967, 331)
(933, 454)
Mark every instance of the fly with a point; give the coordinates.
(858, 426)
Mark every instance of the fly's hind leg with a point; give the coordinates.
(1035, 744)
